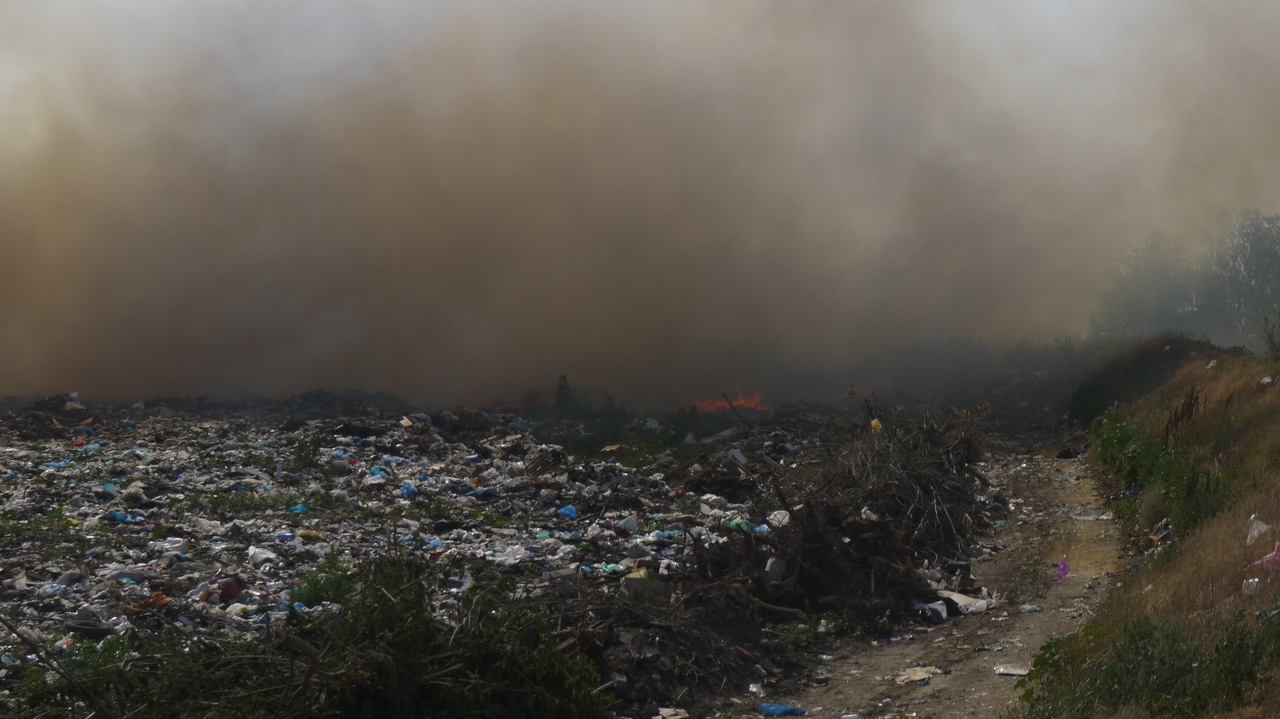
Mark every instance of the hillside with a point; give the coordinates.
(1193, 627)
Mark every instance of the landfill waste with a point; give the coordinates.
(775, 569)
(966, 604)
(935, 612)
(226, 521)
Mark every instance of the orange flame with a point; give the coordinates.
(752, 401)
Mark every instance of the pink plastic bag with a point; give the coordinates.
(1064, 567)
(1271, 561)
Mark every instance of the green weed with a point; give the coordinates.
(1167, 669)
(328, 582)
(306, 454)
(385, 654)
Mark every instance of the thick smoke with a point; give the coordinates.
(459, 202)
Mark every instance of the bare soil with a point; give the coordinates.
(1055, 512)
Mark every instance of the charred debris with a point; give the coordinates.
(202, 553)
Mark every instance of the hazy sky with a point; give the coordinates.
(462, 201)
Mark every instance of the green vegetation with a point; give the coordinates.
(19, 527)
(1030, 581)
(386, 654)
(328, 582)
(1164, 669)
(306, 454)
(247, 501)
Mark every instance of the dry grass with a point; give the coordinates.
(1203, 449)
(1204, 580)
(1233, 437)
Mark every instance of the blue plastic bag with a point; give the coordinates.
(780, 710)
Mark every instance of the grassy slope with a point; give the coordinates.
(1191, 461)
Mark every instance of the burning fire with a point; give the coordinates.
(752, 401)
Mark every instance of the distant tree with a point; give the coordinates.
(1240, 282)
(566, 402)
(1228, 295)
(1152, 290)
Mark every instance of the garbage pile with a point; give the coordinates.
(679, 566)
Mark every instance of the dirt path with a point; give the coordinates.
(1056, 513)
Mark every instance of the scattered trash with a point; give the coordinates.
(1257, 528)
(1249, 586)
(935, 612)
(644, 584)
(1064, 567)
(780, 710)
(916, 674)
(629, 524)
(966, 604)
(1270, 562)
(1030, 608)
(1012, 670)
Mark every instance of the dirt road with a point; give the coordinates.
(1056, 513)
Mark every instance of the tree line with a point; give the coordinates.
(1230, 294)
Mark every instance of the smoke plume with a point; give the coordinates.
(461, 201)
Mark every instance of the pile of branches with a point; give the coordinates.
(917, 475)
(705, 640)
(903, 494)
(847, 554)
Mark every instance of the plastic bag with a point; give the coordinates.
(1257, 528)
